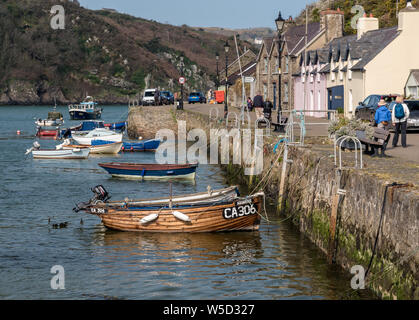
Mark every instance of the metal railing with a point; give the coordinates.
(356, 142)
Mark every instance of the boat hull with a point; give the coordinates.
(112, 148)
(148, 145)
(150, 171)
(88, 140)
(83, 115)
(83, 153)
(238, 215)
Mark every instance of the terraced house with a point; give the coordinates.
(279, 57)
(374, 61)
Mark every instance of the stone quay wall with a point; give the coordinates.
(311, 183)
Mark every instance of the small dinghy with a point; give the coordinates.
(97, 134)
(147, 145)
(196, 213)
(97, 147)
(74, 153)
(150, 171)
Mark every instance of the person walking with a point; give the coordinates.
(249, 104)
(258, 105)
(399, 116)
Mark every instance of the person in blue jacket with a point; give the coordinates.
(382, 116)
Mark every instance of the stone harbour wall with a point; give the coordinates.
(311, 183)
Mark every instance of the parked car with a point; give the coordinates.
(197, 97)
(149, 99)
(413, 120)
(366, 109)
(167, 97)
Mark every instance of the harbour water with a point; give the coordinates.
(276, 262)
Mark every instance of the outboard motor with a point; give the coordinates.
(100, 195)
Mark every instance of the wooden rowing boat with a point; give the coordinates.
(150, 171)
(212, 215)
(108, 148)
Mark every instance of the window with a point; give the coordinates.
(285, 92)
(276, 64)
(351, 101)
(332, 74)
(266, 65)
(286, 64)
(265, 91)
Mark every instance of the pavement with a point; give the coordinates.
(315, 127)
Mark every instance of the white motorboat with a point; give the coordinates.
(97, 134)
(97, 147)
(74, 153)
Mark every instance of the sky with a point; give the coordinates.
(206, 13)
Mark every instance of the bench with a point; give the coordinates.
(280, 127)
(379, 134)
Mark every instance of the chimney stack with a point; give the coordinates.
(409, 19)
(332, 21)
(366, 24)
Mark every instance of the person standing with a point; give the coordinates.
(258, 105)
(399, 116)
(249, 104)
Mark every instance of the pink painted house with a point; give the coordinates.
(311, 84)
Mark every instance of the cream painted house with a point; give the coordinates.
(374, 61)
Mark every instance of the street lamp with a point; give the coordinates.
(226, 49)
(280, 23)
(217, 58)
(181, 65)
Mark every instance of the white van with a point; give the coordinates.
(148, 98)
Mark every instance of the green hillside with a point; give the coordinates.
(101, 53)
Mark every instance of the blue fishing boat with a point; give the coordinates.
(88, 109)
(145, 171)
(118, 126)
(147, 145)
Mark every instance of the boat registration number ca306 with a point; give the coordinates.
(239, 211)
(98, 210)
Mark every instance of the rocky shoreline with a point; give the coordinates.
(19, 92)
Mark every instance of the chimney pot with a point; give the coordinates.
(371, 15)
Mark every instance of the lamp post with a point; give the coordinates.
(226, 49)
(181, 65)
(280, 23)
(217, 58)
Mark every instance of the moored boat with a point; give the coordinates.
(229, 213)
(97, 134)
(147, 145)
(118, 126)
(97, 147)
(47, 132)
(86, 110)
(150, 171)
(74, 153)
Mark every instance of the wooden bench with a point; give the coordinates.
(280, 127)
(379, 134)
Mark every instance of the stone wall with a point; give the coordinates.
(311, 183)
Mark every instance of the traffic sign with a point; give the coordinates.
(182, 80)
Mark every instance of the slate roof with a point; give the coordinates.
(295, 36)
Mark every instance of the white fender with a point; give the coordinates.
(76, 150)
(149, 218)
(181, 216)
